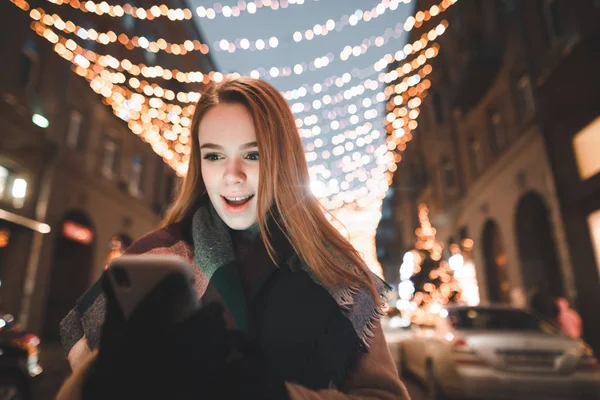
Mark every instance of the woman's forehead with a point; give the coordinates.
(226, 123)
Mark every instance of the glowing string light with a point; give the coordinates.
(196, 76)
(327, 59)
(176, 14)
(220, 44)
(106, 38)
(355, 172)
(318, 30)
(346, 78)
(355, 185)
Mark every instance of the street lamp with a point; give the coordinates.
(40, 120)
(19, 190)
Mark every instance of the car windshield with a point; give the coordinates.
(497, 319)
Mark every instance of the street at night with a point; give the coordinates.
(257, 199)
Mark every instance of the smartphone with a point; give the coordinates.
(135, 277)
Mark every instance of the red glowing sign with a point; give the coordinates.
(78, 233)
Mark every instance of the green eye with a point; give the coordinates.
(212, 157)
(252, 156)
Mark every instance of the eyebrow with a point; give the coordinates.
(219, 147)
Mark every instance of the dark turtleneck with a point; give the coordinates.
(242, 239)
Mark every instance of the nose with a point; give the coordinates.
(234, 173)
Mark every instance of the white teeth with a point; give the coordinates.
(238, 198)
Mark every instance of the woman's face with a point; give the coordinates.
(229, 160)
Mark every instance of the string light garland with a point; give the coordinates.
(166, 126)
(351, 149)
(144, 115)
(110, 37)
(251, 7)
(224, 44)
(369, 84)
(318, 30)
(357, 51)
(74, 46)
(22, 4)
(404, 99)
(273, 72)
(152, 91)
(150, 72)
(196, 76)
(404, 92)
(142, 69)
(150, 114)
(409, 49)
(327, 59)
(176, 14)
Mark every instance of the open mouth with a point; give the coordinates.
(237, 203)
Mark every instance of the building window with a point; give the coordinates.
(3, 181)
(19, 191)
(30, 67)
(552, 19)
(497, 131)
(13, 188)
(594, 225)
(110, 158)
(475, 157)
(524, 97)
(448, 175)
(74, 130)
(586, 144)
(136, 178)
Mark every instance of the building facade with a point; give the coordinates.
(495, 157)
(76, 185)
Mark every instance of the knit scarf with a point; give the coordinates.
(310, 333)
(237, 280)
(215, 256)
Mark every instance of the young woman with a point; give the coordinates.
(263, 249)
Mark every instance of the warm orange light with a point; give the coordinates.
(78, 233)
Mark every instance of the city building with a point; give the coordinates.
(505, 152)
(76, 185)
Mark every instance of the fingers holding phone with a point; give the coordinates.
(163, 284)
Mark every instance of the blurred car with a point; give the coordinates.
(395, 329)
(18, 360)
(498, 352)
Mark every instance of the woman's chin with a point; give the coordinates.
(238, 221)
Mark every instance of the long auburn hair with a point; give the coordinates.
(283, 184)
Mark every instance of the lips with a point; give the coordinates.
(237, 198)
(236, 204)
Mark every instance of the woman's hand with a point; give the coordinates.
(198, 358)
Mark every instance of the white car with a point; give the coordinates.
(395, 332)
(498, 352)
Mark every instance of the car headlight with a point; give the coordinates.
(30, 343)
